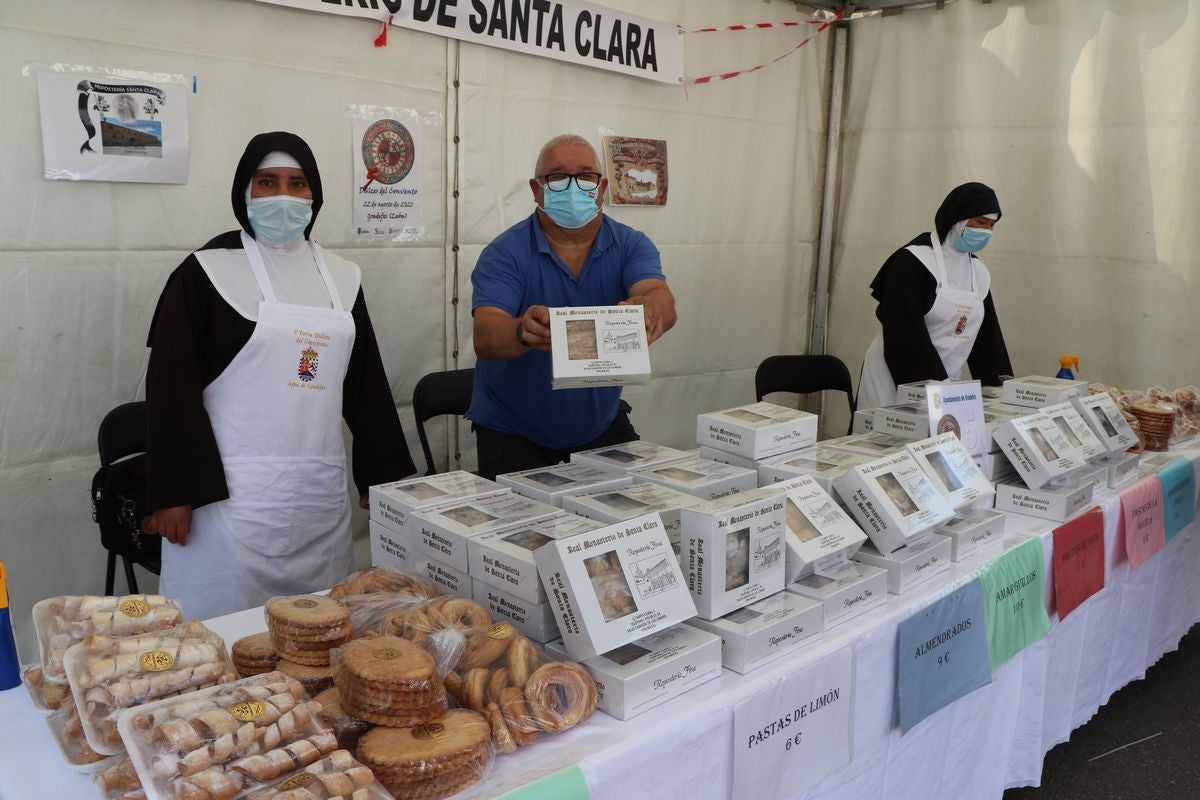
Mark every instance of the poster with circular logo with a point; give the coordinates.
(387, 151)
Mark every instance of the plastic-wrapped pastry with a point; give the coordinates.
(337, 775)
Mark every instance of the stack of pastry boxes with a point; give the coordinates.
(747, 435)
(1051, 448)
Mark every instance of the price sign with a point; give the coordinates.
(1142, 520)
(941, 655)
(794, 732)
(1078, 561)
(1012, 592)
(1178, 481)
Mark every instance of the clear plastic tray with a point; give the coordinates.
(108, 674)
(67, 732)
(336, 775)
(228, 736)
(62, 621)
(37, 686)
(118, 780)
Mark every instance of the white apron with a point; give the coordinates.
(276, 412)
(953, 323)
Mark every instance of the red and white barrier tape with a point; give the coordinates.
(758, 26)
(724, 76)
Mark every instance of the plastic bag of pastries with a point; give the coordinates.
(389, 681)
(108, 674)
(119, 780)
(337, 775)
(254, 655)
(66, 728)
(304, 628)
(346, 727)
(436, 759)
(383, 579)
(383, 612)
(217, 742)
(46, 695)
(62, 621)
(510, 681)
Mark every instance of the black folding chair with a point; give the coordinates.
(440, 393)
(804, 374)
(119, 495)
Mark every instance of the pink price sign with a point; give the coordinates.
(1142, 520)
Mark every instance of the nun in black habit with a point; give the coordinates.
(260, 346)
(935, 304)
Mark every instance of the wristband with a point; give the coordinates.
(521, 336)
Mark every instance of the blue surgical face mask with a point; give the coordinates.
(972, 240)
(279, 219)
(571, 208)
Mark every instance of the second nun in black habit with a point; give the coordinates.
(261, 346)
(935, 304)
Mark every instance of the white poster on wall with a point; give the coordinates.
(99, 127)
(387, 152)
(794, 732)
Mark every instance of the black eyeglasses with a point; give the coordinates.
(561, 181)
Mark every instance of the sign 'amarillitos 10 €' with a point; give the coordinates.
(579, 32)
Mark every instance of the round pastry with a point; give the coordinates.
(487, 645)
(501, 736)
(454, 686)
(387, 662)
(314, 679)
(560, 695)
(346, 728)
(307, 612)
(475, 687)
(433, 760)
(254, 649)
(516, 716)
(523, 659)
(498, 680)
(381, 579)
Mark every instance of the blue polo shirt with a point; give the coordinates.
(518, 270)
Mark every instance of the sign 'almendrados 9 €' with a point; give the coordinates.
(582, 33)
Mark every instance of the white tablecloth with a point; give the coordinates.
(990, 740)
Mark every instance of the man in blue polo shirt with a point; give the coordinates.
(567, 253)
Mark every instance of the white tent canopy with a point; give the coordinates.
(1079, 113)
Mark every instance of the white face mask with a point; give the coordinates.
(279, 219)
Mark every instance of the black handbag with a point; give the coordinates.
(118, 505)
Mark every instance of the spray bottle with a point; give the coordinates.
(1065, 362)
(10, 665)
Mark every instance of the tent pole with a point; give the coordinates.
(833, 149)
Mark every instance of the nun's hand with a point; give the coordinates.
(173, 524)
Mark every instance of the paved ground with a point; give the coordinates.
(1157, 723)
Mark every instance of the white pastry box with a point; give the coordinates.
(732, 551)
(997, 467)
(914, 393)
(853, 590)
(1121, 469)
(1106, 420)
(388, 546)
(1037, 449)
(444, 576)
(392, 503)
(442, 532)
(700, 477)
(614, 585)
(722, 457)
(1035, 391)
(922, 558)
(892, 499)
(971, 531)
(616, 505)
(1076, 430)
(628, 456)
(551, 484)
(873, 444)
(864, 421)
(763, 631)
(905, 421)
(952, 470)
(817, 527)
(598, 346)
(996, 415)
(536, 621)
(822, 464)
(757, 430)
(1057, 503)
(504, 558)
(650, 671)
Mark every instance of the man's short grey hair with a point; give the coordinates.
(561, 139)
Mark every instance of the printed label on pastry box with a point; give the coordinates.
(1106, 420)
(391, 503)
(952, 470)
(504, 559)
(1076, 430)
(905, 421)
(824, 464)
(918, 561)
(388, 546)
(536, 621)
(550, 484)
(650, 671)
(817, 527)
(732, 551)
(1055, 503)
(614, 585)
(598, 346)
(700, 477)
(859, 589)
(1038, 449)
(972, 530)
(1036, 391)
(628, 456)
(757, 430)
(763, 631)
(893, 500)
(442, 532)
(445, 577)
(633, 501)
